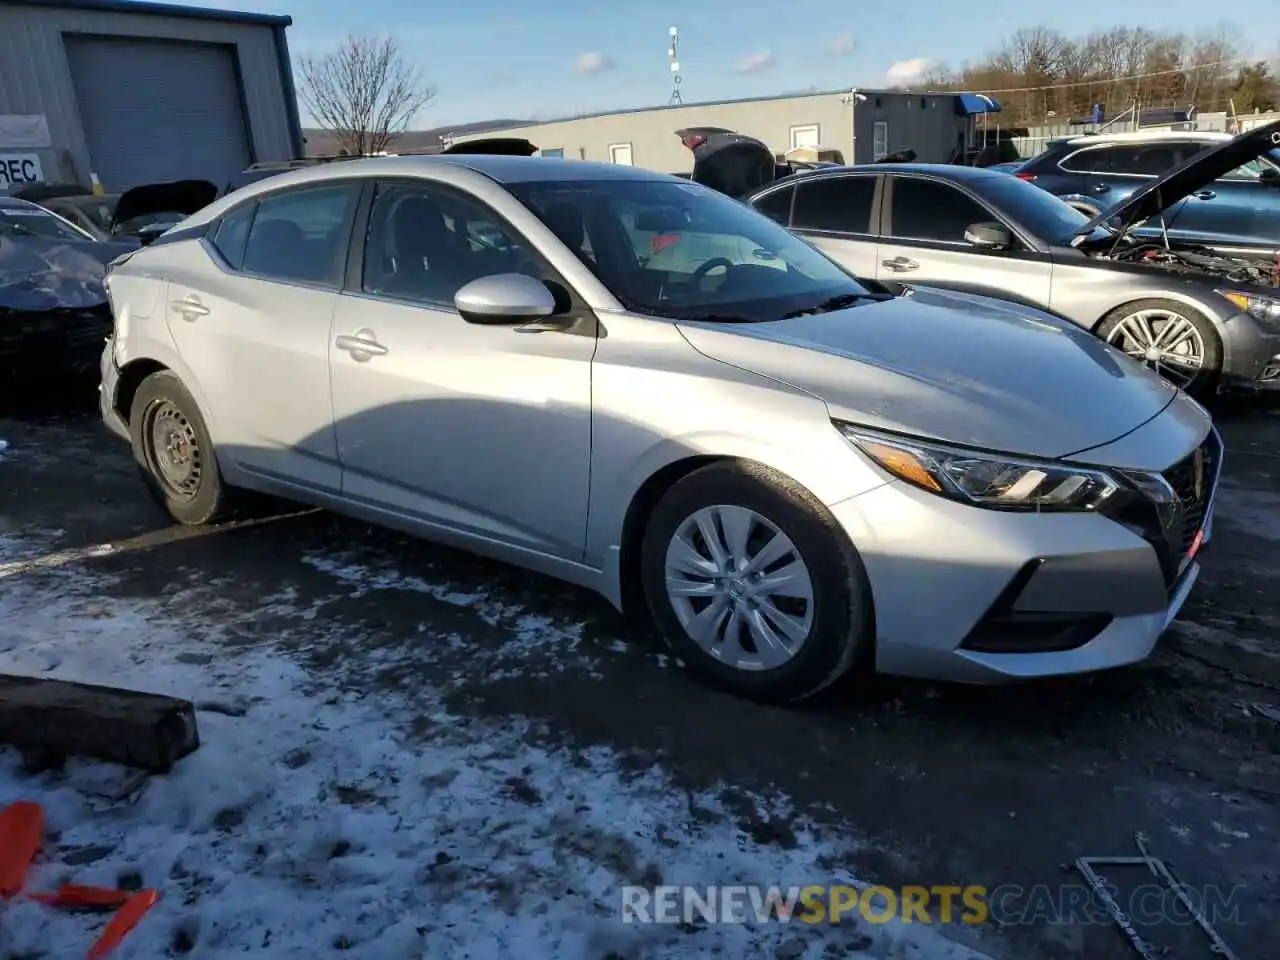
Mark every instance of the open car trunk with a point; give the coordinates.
(181, 198)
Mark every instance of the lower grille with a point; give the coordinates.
(51, 341)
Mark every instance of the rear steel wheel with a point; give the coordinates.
(173, 450)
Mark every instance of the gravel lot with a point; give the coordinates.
(918, 783)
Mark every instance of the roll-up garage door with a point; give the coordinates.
(157, 110)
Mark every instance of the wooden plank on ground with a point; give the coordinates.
(59, 719)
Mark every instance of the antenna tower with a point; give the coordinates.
(673, 53)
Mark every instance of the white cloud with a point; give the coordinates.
(754, 62)
(906, 72)
(841, 45)
(590, 63)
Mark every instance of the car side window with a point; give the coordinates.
(840, 204)
(777, 205)
(929, 210)
(232, 233)
(424, 244)
(1087, 161)
(301, 235)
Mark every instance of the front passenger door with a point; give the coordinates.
(484, 430)
(924, 242)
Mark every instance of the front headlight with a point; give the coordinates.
(1262, 308)
(991, 480)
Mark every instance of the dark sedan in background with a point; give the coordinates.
(54, 315)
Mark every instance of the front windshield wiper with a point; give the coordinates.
(717, 318)
(837, 303)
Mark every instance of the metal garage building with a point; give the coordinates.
(137, 92)
(935, 125)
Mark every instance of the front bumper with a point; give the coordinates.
(982, 596)
(1251, 360)
(37, 347)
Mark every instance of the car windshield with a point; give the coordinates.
(28, 220)
(1046, 216)
(684, 251)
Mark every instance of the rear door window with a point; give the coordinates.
(232, 233)
(301, 235)
(777, 205)
(837, 204)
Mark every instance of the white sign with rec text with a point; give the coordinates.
(19, 168)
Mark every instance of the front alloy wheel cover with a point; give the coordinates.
(739, 588)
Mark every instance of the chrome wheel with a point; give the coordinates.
(739, 587)
(174, 451)
(1164, 340)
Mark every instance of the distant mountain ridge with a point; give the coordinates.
(321, 143)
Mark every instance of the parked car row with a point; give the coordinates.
(642, 385)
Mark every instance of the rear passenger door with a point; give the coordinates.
(923, 242)
(251, 321)
(836, 214)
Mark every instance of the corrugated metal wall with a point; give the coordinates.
(35, 77)
(930, 129)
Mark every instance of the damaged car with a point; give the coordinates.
(142, 213)
(1206, 319)
(54, 315)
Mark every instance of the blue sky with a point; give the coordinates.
(515, 58)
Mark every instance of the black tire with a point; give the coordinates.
(1203, 383)
(842, 633)
(205, 500)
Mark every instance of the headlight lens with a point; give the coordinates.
(993, 481)
(1262, 308)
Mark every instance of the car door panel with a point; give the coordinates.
(259, 344)
(935, 214)
(859, 256)
(485, 430)
(837, 215)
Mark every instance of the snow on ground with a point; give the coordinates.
(318, 820)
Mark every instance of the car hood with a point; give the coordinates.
(952, 367)
(37, 274)
(180, 196)
(1188, 177)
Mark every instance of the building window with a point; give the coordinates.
(880, 140)
(552, 151)
(620, 153)
(809, 135)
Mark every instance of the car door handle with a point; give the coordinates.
(899, 264)
(363, 345)
(1204, 195)
(189, 308)
(1100, 188)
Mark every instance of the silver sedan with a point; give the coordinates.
(636, 384)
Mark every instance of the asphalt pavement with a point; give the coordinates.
(944, 785)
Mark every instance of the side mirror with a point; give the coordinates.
(989, 236)
(1270, 176)
(505, 299)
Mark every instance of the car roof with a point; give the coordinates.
(945, 171)
(1144, 136)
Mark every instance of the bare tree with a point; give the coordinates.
(364, 93)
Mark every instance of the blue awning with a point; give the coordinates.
(971, 104)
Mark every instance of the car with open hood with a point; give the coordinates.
(1205, 318)
(771, 458)
(54, 315)
(142, 213)
(1237, 211)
